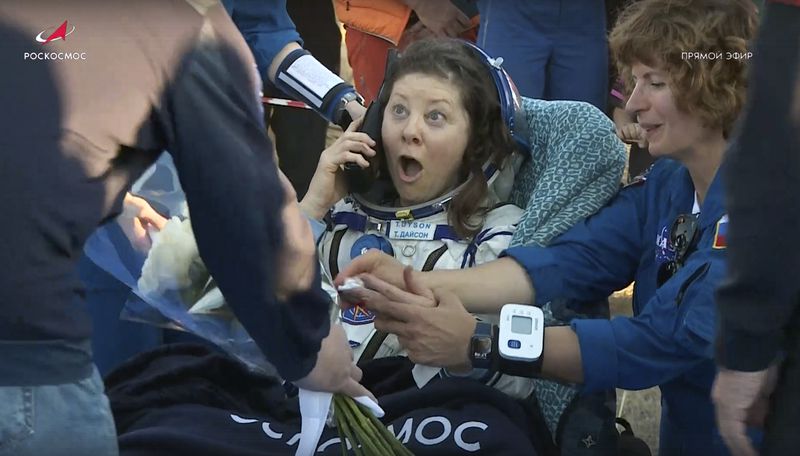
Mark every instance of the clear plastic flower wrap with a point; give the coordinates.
(170, 286)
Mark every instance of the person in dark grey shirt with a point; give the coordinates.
(758, 340)
(91, 92)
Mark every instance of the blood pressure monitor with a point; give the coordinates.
(520, 340)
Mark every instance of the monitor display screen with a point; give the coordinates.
(521, 325)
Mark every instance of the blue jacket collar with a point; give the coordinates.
(713, 206)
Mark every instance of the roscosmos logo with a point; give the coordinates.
(60, 33)
(50, 35)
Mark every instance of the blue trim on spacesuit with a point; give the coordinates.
(472, 249)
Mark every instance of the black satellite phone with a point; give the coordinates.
(360, 180)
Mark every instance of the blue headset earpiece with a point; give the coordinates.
(510, 100)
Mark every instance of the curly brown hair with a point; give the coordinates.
(489, 138)
(660, 33)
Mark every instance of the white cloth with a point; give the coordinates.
(314, 409)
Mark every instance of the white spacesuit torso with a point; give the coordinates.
(419, 237)
(424, 244)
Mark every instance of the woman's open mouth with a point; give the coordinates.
(410, 170)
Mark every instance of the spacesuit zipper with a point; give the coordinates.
(333, 256)
(433, 258)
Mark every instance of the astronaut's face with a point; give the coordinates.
(669, 131)
(425, 133)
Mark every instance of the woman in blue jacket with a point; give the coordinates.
(666, 231)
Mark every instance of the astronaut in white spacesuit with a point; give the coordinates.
(452, 136)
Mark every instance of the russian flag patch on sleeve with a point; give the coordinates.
(721, 233)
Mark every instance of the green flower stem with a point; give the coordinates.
(396, 447)
(347, 431)
(357, 425)
(350, 423)
(377, 431)
(374, 436)
(337, 414)
(367, 435)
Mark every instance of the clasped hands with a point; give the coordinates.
(431, 324)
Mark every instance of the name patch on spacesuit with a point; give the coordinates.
(412, 230)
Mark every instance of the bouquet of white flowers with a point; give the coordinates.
(173, 263)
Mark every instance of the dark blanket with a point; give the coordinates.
(186, 399)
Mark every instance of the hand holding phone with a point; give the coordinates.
(360, 180)
(329, 183)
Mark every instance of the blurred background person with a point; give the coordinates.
(759, 302)
(554, 49)
(372, 27)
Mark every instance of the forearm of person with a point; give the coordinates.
(561, 359)
(272, 71)
(268, 31)
(312, 207)
(485, 288)
(323, 103)
(237, 230)
(275, 43)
